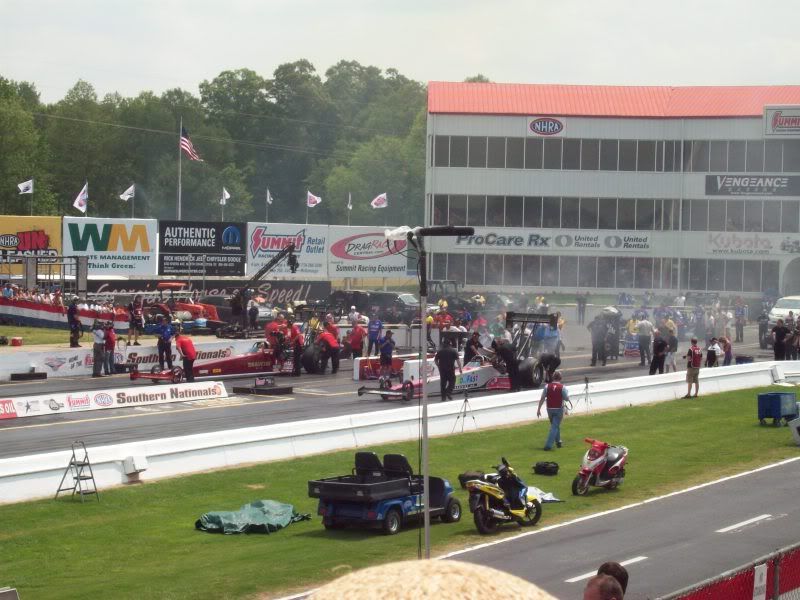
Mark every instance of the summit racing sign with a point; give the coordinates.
(198, 248)
(364, 252)
(114, 246)
(782, 121)
(265, 240)
(752, 185)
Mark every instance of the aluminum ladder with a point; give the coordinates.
(79, 470)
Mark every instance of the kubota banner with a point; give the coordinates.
(114, 246)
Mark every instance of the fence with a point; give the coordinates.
(774, 576)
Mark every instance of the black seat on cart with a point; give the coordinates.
(396, 465)
(369, 467)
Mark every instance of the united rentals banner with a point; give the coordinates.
(548, 241)
(782, 121)
(197, 248)
(265, 240)
(114, 246)
(364, 252)
(752, 185)
(28, 236)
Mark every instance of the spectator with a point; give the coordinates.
(446, 360)
(186, 351)
(603, 587)
(694, 357)
(727, 351)
(111, 344)
(617, 571)
(98, 349)
(672, 343)
(713, 352)
(660, 348)
(555, 394)
(252, 314)
(386, 348)
(8, 291)
(374, 330)
(645, 330)
(353, 317)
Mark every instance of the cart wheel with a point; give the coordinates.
(452, 512)
(392, 522)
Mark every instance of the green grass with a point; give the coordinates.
(140, 542)
(36, 335)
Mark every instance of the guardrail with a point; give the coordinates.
(28, 477)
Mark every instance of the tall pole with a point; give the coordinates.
(266, 206)
(306, 211)
(349, 207)
(133, 203)
(32, 200)
(180, 133)
(423, 361)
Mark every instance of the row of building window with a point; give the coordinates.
(772, 216)
(607, 272)
(660, 156)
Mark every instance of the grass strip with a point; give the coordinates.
(139, 541)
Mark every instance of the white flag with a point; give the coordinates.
(129, 193)
(82, 201)
(349, 201)
(225, 197)
(26, 187)
(312, 200)
(269, 197)
(379, 201)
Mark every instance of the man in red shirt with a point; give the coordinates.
(443, 319)
(330, 348)
(186, 351)
(111, 344)
(356, 340)
(297, 341)
(556, 396)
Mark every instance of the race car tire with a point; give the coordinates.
(154, 370)
(408, 391)
(531, 373)
(177, 375)
(310, 359)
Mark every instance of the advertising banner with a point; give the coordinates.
(546, 126)
(264, 240)
(60, 402)
(195, 248)
(752, 185)
(364, 252)
(28, 236)
(782, 121)
(114, 246)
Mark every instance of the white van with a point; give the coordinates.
(782, 308)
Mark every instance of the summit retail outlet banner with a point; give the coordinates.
(265, 240)
(197, 248)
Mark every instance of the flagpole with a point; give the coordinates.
(133, 203)
(349, 207)
(266, 206)
(306, 211)
(180, 132)
(222, 205)
(33, 189)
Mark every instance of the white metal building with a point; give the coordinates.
(609, 188)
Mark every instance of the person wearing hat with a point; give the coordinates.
(98, 348)
(354, 317)
(165, 333)
(75, 329)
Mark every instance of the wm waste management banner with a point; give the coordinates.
(28, 236)
(195, 248)
(114, 246)
(265, 240)
(364, 252)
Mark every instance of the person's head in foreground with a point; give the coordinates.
(617, 571)
(440, 579)
(602, 587)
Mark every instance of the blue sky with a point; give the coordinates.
(155, 45)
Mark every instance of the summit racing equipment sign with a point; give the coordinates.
(197, 248)
(752, 185)
(264, 240)
(782, 121)
(364, 252)
(114, 246)
(28, 236)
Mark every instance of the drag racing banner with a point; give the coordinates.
(364, 252)
(114, 246)
(265, 240)
(197, 248)
(28, 236)
(141, 395)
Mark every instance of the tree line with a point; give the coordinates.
(357, 130)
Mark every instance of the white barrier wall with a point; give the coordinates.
(27, 477)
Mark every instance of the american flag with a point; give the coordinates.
(187, 147)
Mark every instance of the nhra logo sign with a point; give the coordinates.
(547, 126)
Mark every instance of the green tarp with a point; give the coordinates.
(262, 516)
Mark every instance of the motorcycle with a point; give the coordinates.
(603, 466)
(502, 497)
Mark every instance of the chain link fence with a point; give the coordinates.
(775, 576)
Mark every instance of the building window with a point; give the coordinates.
(550, 270)
(790, 216)
(496, 154)
(716, 215)
(512, 269)
(607, 217)
(645, 214)
(791, 156)
(772, 217)
(626, 213)
(646, 160)
(733, 274)
(570, 210)
(587, 271)
(624, 272)
(475, 269)
(686, 215)
(572, 154)
(569, 271)
(735, 215)
(751, 276)
(769, 275)
(533, 153)
(551, 212)
(659, 156)
(441, 151)
(669, 215)
(697, 274)
(755, 156)
(627, 155)
(552, 153)
(590, 155)
(752, 215)
(458, 151)
(515, 153)
(533, 212)
(439, 266)
(672, 156)
(439, 209)
(643, 273)
(476, 211)
(716, 275)
(736, 156)
(531, 270)
(683, 271)
(605, 272)
(477, 152)
(458, 210)
(494, 269)
(719, 156)
(609, 150)
(456, 264)
(699, 156)
(495, 211)
(699, 216)
(773, 156)
(588, 213)
(513, 211)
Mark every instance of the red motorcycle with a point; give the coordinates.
(603, 466)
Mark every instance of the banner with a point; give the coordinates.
(28, 236)
(752, 185)
(264, 240)
(119, 247)
(192, 248)
(783, 121)
(364, 252)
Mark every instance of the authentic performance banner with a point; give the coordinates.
(195, 248)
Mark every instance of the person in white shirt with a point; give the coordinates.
(645, 330)
(98, 349)
(354, 316)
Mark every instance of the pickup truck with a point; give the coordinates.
(381, 495)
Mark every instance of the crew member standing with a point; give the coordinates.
(472, 347)
(446, 360)
(297, 340)
(645, 330)
(356, 340)
(164, 332)
(694, 357)
(75, 328)
(374, 328)
(660, 348)
(599, 329)
(135, 320)
(110, 345)
(185, 348)
(330, 348)
(672, 341)
(505, 351)
(555, 394)
(779, 333)
(385, 347)
(98, 349)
